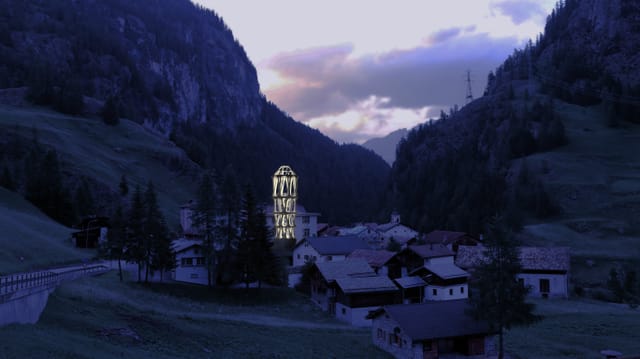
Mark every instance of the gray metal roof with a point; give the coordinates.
(410, 282)
(434, 320)
(362, 284)
(446, 270)
(348, 267)
(335, 245)
(375, 258)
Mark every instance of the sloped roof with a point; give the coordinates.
(362, 284)
(531, 258)
(335, 245)
(410, 282)
(348, 267)
(434, 320)
(444, 237)
(431, 250)
(351, 231)
(375, 258)
(469, 256)
(387, 226)
(182, 244)
(446, 270)
(545, 258)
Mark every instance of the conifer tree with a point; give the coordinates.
(135, 252)
(6, 180)
(117, 238)
(123, 185)
(156, 242)
(204, 218)
(230, 208)
(496, 295)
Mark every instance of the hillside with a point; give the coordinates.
(176, 68)
(92, 152)
(29, 239)
(551, 146)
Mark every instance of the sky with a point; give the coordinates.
(358, 69)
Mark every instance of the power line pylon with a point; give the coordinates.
(469, 93)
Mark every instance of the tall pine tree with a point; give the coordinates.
(496, 295)
(135, 252)
(204, 218)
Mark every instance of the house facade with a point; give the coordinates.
(323, 276)
(326, 249)
(545, 270)
(356, 296)
(450, 239)
(306, 222)
(190, 262)
(431, 330)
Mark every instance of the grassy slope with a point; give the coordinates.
(26, 232)
(104, 153)
(181, 322)
(577, 329)
(596, 181)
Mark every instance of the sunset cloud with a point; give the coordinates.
(358, 69)
(324, 82)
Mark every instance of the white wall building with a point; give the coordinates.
(190, 262)
(326, 249)
(544, 269)
(306, 222)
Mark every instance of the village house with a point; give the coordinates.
(396, 231)
(325, 249)
(322, 277)
(434, 264)
(356, 296)
(545, 270)
(382, 261)
(450, 239)
(350, 289)
(306, 222)
(431, 330)
(190, 262)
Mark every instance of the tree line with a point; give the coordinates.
(237, 243)
(139, 233)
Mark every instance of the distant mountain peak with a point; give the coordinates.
(385, 146)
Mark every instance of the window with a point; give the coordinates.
(461, 289)
(306, 257)
(344, 311)
(187, 262)
(307, 233)
(200, 261)
(544, 286)
(426, 346)
(434, 291)
(298, 255)
(329, 258)
(521, 282)
(381, 334)
(305, 219)
(450, 291)
(196, 250)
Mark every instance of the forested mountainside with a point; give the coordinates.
(175, 68)
(458, 171)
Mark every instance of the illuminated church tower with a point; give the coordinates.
(285, 193)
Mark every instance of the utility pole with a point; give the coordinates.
(469, 93)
